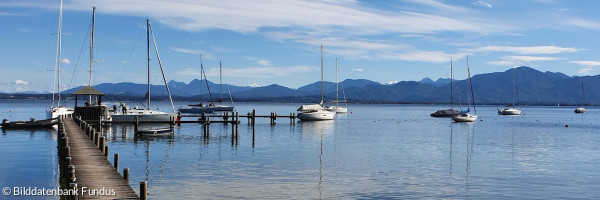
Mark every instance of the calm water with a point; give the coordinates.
(373, 152)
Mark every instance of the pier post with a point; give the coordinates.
(116, 161)
(73, 186)
(96, 138)
(143, 190)
(253, 117)
(101, 144)
(64, 170)
(126, 174)
(137, 122)
(71, 174)
(100, 124)
(106, 152)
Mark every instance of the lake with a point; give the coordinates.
(374, 151)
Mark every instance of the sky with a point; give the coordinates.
(264, 42)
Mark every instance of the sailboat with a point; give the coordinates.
(59, 111)
(147, 115)
(316, 112)
(448, 112)
(511, 110)
(201, 108)
(220, 106)
(337, 108)
(581, 109)
(465, 116)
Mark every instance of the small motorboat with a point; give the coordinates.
(31, 124)
(580, 110)
(155, 132)
(465, 117)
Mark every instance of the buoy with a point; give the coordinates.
(566, 125)
(350, 112)
(10, 111)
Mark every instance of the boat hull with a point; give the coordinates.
(155, 132)
(143, 116)
(445, 113)
(337, 109)
(316, 115)
(580, 110)
(59, 112)
(197, 110)
(32, 124)
(509, 111)
(465, 118)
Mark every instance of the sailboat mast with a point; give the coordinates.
(92, 48)
(514, 85)
(162, 71)
(201, 80)
(59, 51)
(221, 80)
(148, 61)
(336, 84)
(451, 89)
(471, 98)
(321, 75)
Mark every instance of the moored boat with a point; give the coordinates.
(32, 123)
(155, 132)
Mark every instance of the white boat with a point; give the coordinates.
(316, 112)
(511, 110)
(581, 109)
(337, 108)
(211, 107)
(58, 110)
(147, 115)
(157, 132)
(465, 116)
(448, 112)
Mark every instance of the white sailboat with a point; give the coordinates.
(58, 110)
(316, 112)
(147, 115)
(511, 110)
(337, 108)
(581, 109)
(448, 112)
(465, 116)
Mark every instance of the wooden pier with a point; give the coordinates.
(83, 157)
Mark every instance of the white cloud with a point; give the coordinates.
(521, 60)
(585, 71)
(261, 62)
(66, 61)
(184, 50)
(357, 69)
(423, 56)
(587, 63)
(21, 82)
(528, 50)
(250, 72)
(582, 23)
(264, 62)
(483, 3)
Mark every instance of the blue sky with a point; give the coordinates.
(265, 42)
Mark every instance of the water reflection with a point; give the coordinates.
(317, 129)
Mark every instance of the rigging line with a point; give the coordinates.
(130, 54)
(207, 87)
(79, 57)
(161, 69)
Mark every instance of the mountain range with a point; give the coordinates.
(532, 87)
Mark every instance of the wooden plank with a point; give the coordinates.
(92, 169)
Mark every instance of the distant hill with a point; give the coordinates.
(533, 87)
